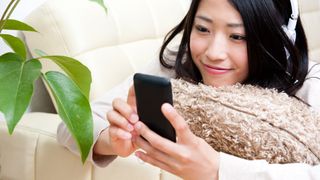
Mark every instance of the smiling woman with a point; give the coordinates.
(217, 44)
(127, 39)
(223, 43)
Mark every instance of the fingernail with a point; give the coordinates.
(137, 154)
(134, 118)
(137, 126)
(139, 158)
(167, 107)
(130, 127)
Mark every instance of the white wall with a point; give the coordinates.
(21, 11)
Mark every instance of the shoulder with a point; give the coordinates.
(154, 67)
(310, 90)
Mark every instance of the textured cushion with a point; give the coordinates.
(251, 122)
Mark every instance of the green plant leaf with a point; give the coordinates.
(73, 108)
(15, 44)
(79, 73)
(12, 24)
(101, 3)
(16, 78)
(39, 52)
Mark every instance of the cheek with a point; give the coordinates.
(196, 47)
(241, 56)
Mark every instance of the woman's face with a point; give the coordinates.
(218, 45)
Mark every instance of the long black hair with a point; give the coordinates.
(267, 44)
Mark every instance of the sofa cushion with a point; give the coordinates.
(113, 45)
(251, 122)
(33, 153)
(310, 15)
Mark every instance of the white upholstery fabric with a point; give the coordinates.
(125, 39)
(310, 16)
(113, 46)
(32, 153)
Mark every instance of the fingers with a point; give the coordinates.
(155, 140)
(116, 119)
(121, 119)
(125, 110)
(181, 127)
(151, 151)
(116, 132)
(146, 158)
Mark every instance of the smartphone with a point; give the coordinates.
(151, 92)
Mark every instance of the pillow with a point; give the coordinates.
(250, 122)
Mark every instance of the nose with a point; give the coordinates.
(217, 48)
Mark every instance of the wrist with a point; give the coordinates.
(102, 145)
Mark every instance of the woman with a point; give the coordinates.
(223, 43)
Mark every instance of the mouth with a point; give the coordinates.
(216, 70)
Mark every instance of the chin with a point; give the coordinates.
(217, 83)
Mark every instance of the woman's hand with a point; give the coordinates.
(117, 138)
(190, 158)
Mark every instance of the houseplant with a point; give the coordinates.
(70, 90)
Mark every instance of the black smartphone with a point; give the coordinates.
(151, 92)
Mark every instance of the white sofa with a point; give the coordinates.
(113, 46)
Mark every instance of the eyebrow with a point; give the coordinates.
(231, 25)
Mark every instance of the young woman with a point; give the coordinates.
(259, 42)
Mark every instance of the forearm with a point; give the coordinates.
(65, 138)
(99, 108)
(102, 154)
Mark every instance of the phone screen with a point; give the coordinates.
(151, 92)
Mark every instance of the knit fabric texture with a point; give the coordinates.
(250, 122)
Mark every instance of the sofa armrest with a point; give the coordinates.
(32, 153)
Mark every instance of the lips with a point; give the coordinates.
(216, 70)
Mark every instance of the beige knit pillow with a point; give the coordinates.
(250, 122)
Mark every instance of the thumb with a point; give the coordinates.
(181, 127)
(131, 99)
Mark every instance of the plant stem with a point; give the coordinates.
(2, 22)
(6, 10)
(13, 8)
(6, 15)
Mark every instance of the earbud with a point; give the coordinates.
(290, 29)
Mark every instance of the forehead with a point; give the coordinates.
(218, 10)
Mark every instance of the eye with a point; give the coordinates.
(238, 37)
(201, 29)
